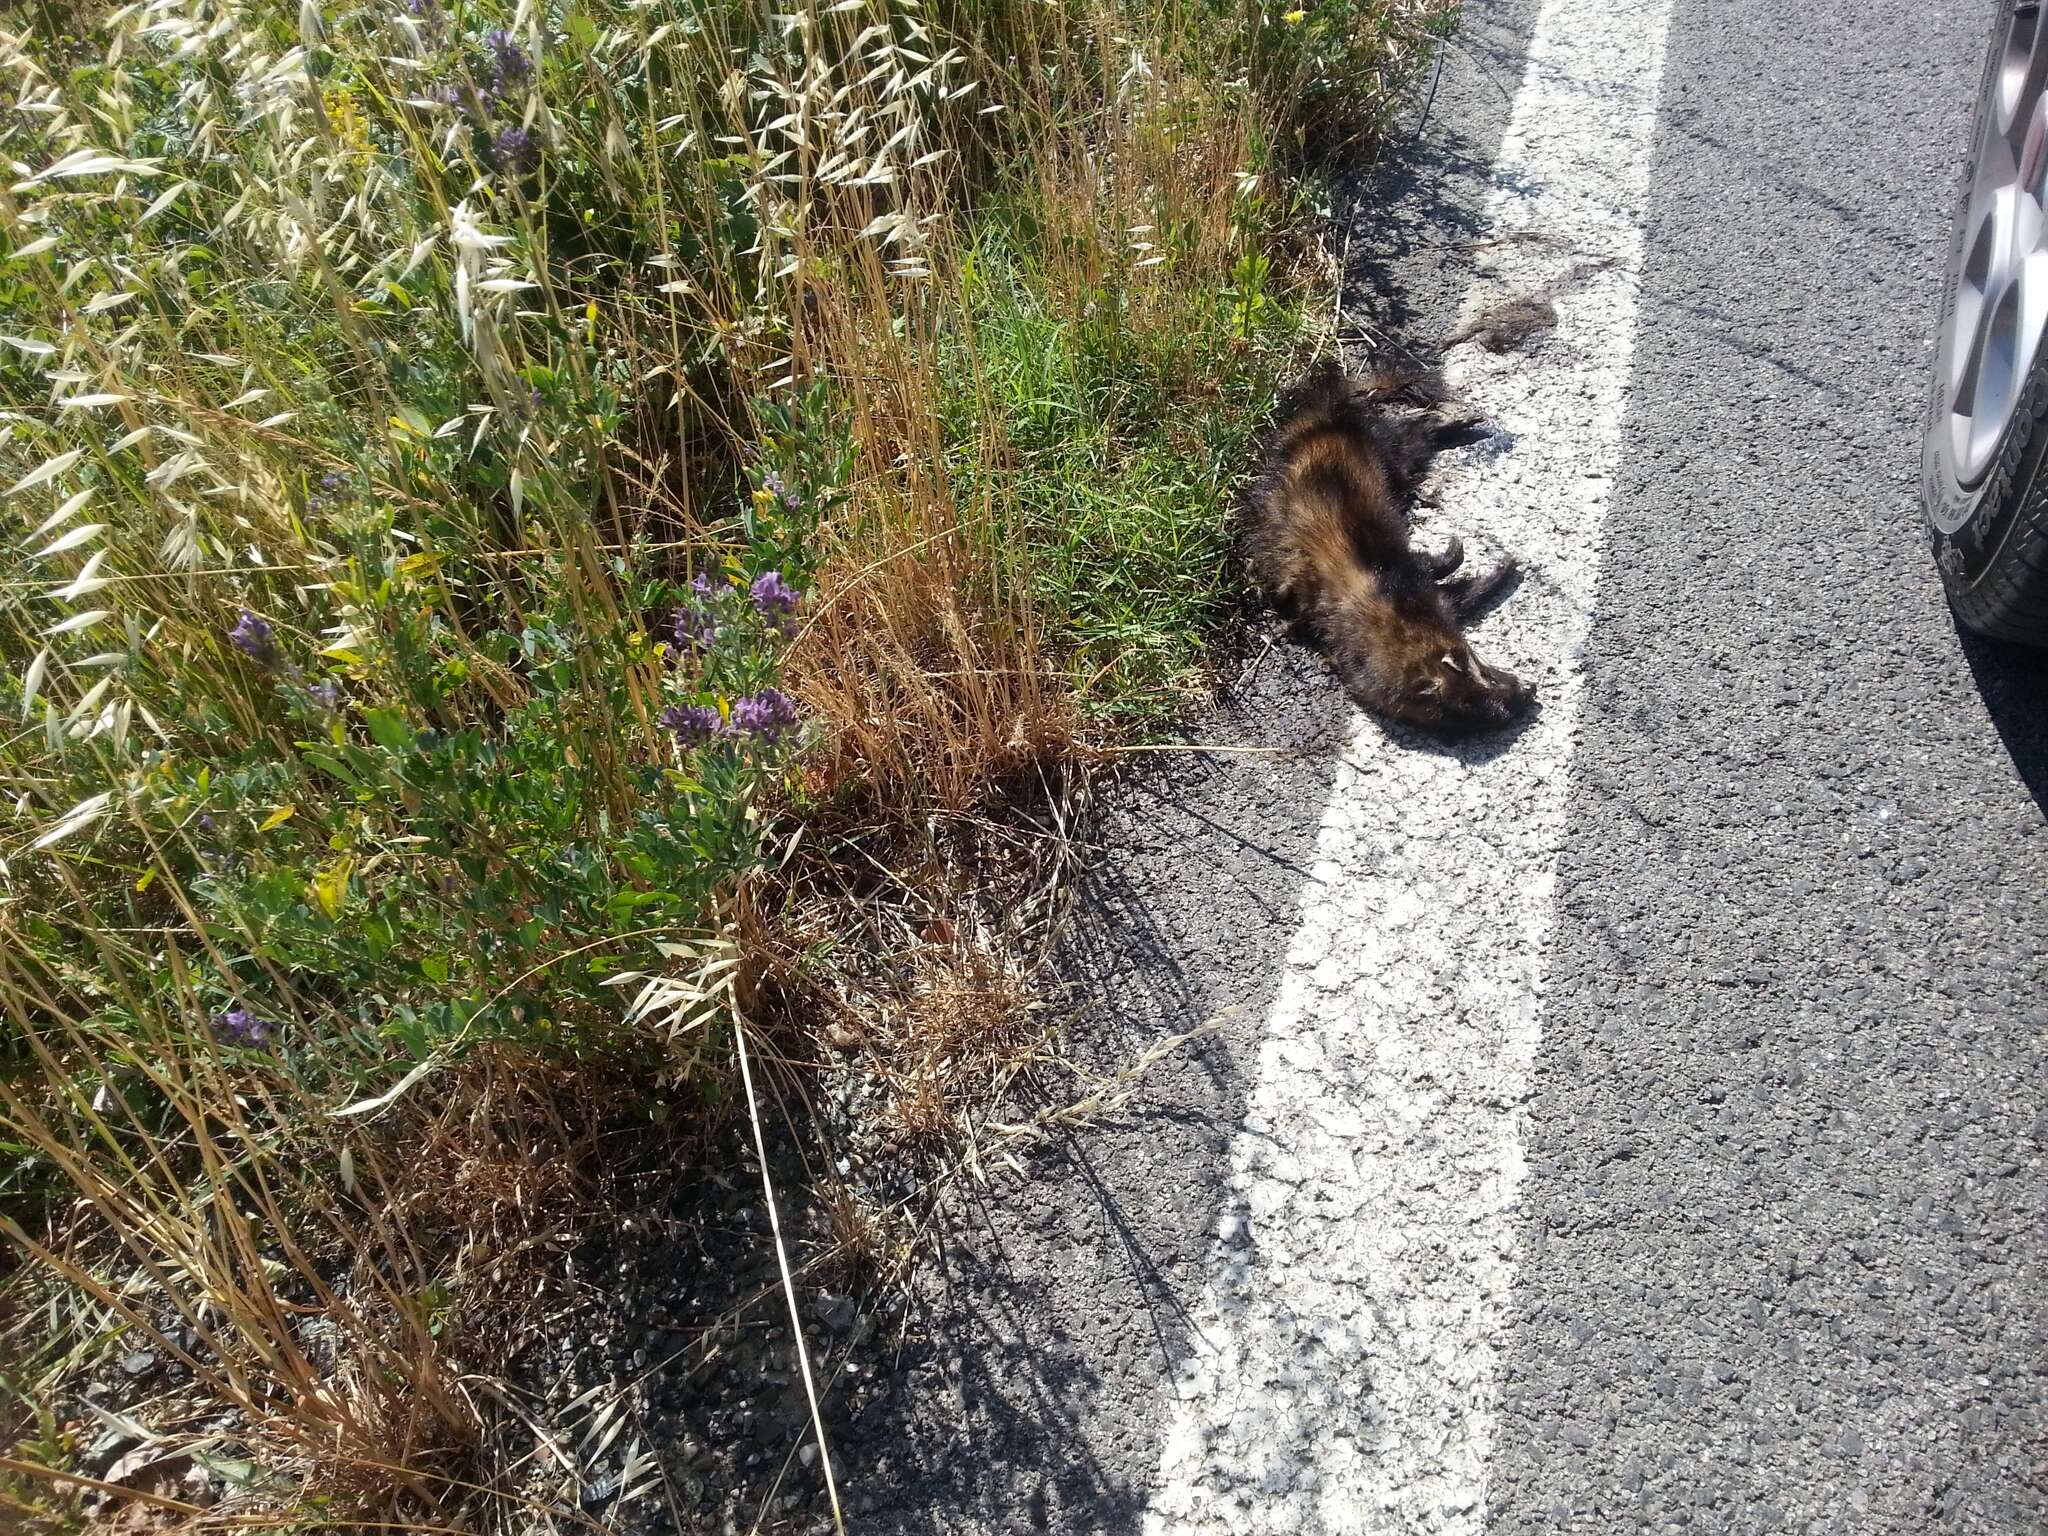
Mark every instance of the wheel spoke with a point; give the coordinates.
(1997, 169)
(2020, 234)
(2036, 76)
(2022, 72)
(1986, 258)
(2000, 306)
(1990, 381)
(2030, 310)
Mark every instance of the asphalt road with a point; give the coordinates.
(1739, 1107)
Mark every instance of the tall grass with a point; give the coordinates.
(475, 477)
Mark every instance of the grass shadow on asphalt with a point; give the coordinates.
(1057, 1305)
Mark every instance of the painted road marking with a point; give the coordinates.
(1346, 1372)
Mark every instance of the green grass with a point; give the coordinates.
(1127, 436)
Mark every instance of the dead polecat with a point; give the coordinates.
(1327, 538)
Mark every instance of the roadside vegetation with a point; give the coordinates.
(519, 520)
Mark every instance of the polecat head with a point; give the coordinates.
(1454, 691)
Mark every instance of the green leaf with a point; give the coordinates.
(626, 903)
(320, 758)
(388, 729)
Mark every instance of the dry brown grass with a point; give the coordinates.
(924, 656)
(928, 655)
(239, 1257)
(967, 1029)
(348, 1290)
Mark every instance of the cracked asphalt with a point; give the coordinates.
(1774, 1232)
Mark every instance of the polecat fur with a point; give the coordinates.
(1328, 542)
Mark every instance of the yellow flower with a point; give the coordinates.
(351, 131)
(1294, 18)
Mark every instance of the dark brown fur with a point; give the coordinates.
(1328, 541)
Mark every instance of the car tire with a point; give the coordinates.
(1983, 493)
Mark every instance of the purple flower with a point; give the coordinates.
(766, 714)
(508, 61)
(326, 694)
(692, 723)
(695, 630)
(774, 598)
(238, 1026)
(208, 825)
(255, 639)
(696, 626)
(332, 484)
(512, 150)
(506, 52)
(776, 486)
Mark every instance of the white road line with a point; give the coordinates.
(1345, 1375)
